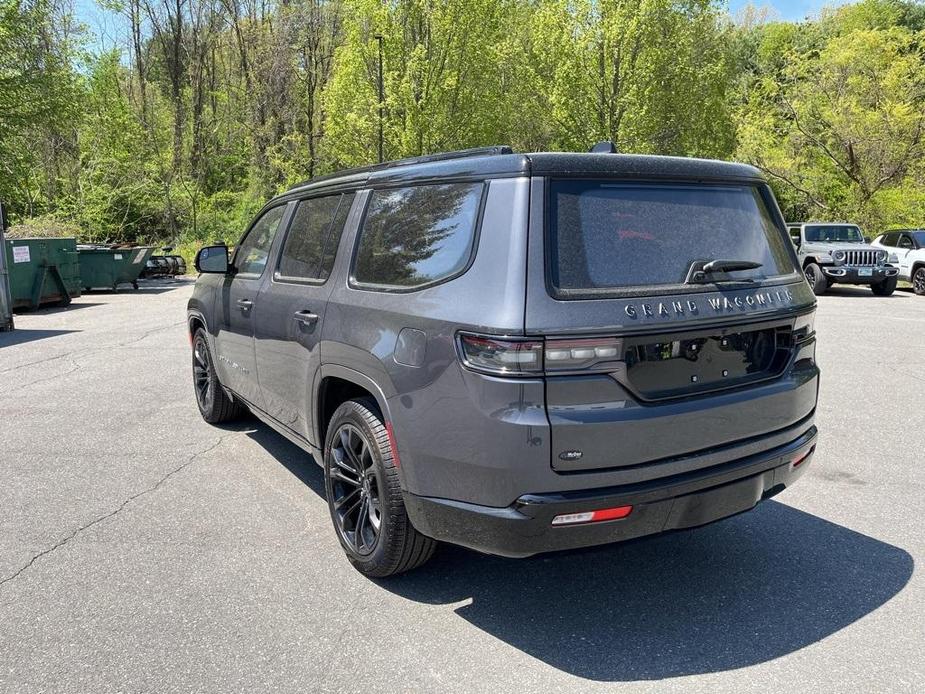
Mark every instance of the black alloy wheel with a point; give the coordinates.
(918, 281)
(355, 488)
(364, 493)
(215, 405)
(202, 374)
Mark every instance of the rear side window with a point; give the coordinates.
(609, 235)
(313, 237)
(418, 235)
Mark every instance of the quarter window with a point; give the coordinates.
(313, 237)
(417, 235)
(251, 256)
(905, 242)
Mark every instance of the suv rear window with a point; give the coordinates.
(417, 235)
(612, 235)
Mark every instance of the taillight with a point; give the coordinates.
(566, 355)
(502, 356)
(804, 327)
(530, 357)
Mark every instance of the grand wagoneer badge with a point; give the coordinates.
(714, 305)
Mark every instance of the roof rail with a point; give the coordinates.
(423, 159)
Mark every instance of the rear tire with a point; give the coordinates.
(918, 281)
(364, 494)
(816, 278)
(884, 288)
(214, 404)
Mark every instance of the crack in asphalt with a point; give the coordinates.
(74, 367)
(148, 334)
(88, 350)
(37, 361)
(115, 512)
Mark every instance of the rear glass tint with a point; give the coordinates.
(607, 235)
(417, 235)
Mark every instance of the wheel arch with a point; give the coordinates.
(194, 321)
(810, 259)
(335, 384)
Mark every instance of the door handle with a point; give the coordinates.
(245, 304)
(306, 317)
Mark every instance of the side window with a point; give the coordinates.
(417, 235)
(889, 239)
(314, 236)
(251, 256)
(906, 242)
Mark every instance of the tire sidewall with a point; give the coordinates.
(351, 412)
(819, 283)
(885, 288)
(919, 271)
(199, 338)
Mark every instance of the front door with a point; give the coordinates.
(292, 307)
(904, 247)
(234, 342)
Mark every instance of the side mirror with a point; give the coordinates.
(212, 259)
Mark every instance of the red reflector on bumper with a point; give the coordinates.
(603, 514)
(612, 513)
(802, 457)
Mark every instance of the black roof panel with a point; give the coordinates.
(641, 165)
(498, 161)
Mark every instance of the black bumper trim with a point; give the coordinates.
(850, 274)
(683, 501)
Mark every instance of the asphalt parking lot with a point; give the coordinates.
(142, 550)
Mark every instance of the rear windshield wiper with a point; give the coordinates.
(715, 270)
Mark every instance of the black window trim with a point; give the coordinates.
(278, 277)
(260, 215)
(352, 282)
(636, 291)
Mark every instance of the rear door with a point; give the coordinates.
(292, 308)
(642, 363)
(234, 340)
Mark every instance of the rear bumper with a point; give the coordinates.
(851, 275)
(682, 501)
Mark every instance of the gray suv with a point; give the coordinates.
(835, 253)
(518, 352)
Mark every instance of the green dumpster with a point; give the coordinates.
(42, 271)
(104, 267)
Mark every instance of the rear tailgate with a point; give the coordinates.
(696, 367)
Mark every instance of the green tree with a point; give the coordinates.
(840, 122)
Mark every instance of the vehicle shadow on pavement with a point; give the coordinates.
(740, 592)
(21, 335)
(862, 291)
